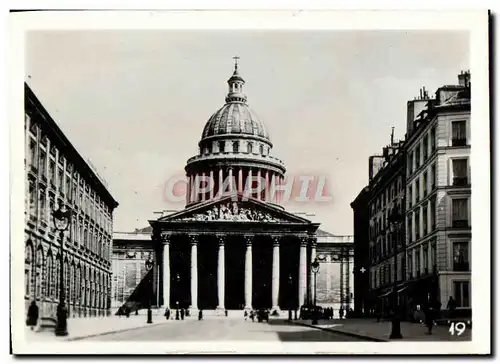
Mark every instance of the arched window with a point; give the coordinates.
(57, 272)
(39, 275)
(72, 284)
(236, 147)
(261, 149)
(221, 147)
(249, 148)
(49, 291)
(77, 285)
(28, 269)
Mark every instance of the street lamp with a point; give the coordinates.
(177, 279)
(395, 220)
(315, 270)
(149, 266)
(290, 297)
(62, 219)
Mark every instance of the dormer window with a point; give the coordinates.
(236, 147)
(221, 147)
(261, 150)
(249, 148)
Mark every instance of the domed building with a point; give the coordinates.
(234, 147)
(233, 246)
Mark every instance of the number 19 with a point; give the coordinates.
(457, 328)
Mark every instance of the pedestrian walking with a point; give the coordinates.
(341, 312)
(245, 315)
(32, 318)
(451, 306)
(429, 318)
(167, 313)
(225, 312)
(200, 315)
(182, 314)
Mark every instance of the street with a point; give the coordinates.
(223, 329)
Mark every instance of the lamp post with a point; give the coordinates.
(395, 220)
(149, 266)
(290, 297)
(177, 279)
(315, 270)
(62, 219)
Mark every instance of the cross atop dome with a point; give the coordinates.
(236, 83)
(236, 62)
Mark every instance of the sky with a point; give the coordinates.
(135, 102)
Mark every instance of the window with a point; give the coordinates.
(43, 205)
(433, 139)
(461, 291)
(433, 212)
(236, 146)
(60, 179)
(409, 227)
(425, 146)
(417, 157)
(417, 189)
(458, 137)
(28, 268)
(52, 172)
(433, 177)
(460, 212)
(410, 264)
(32, 202)
(410, 163)
(43, 164)
(410, 195)
(49, 283)
(460, 172)
(261, 150)
(417, 261)
(424, 183)
(417, 223)
(425, 259)
(51, 209)
(433, 257)
(67, 186)
(249, 148)
(221, 147)
(424, 219)
(461, 256)
(33, 150)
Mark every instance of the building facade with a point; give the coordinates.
(386, 240)
(56, 174)
(361, 213)
(233, 246)
(427, 178)
(438, 218)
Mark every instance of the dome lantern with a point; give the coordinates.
(235, 84)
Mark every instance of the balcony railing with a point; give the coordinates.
(459, 142)
(461, 266)
(460, 223)
(460, 181)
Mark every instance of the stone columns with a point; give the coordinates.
(194, 271)
(259, 194)
(311, 276)
(221, 183)
(221, 271)
(267, 189)
(212, 185)
(302, 270)
(240, 180)
(248, 273)
(276, 274)
(165, 239)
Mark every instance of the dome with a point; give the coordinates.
(234, 118)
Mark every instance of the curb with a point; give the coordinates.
(113, 332)
(358, 336)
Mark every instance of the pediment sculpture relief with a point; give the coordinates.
(232, 212)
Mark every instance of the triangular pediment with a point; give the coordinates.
(235, 208)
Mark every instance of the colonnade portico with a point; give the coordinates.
(271, 249)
